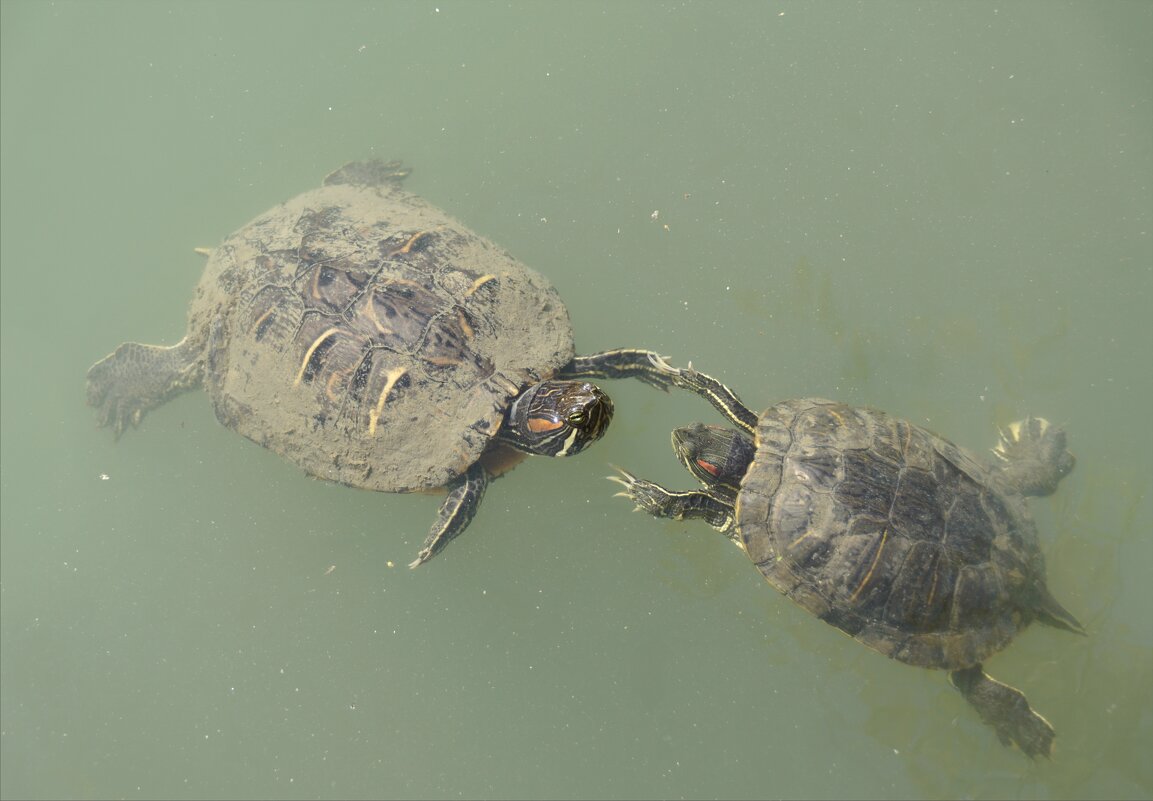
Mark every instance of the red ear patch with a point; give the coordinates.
(708, 467)
(539, 425)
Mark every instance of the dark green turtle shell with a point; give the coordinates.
(369, 337)
(889, 532)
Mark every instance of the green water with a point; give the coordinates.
(942, 210)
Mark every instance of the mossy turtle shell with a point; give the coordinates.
(370, 338)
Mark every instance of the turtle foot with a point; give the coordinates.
(134, 378)
(1006, 709)
(653, 499)
(368, 173)
(1034, 456)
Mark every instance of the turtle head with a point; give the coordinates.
(557, 418)
(718, 457)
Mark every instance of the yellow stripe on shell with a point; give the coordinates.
(311, 350)
(876, 558)
(478, 283)
(392, 376)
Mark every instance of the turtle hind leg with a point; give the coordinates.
(1033, 456)
(135, 378)
(1006, 709)
(456, 512)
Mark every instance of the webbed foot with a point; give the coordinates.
(135, 378)
(1033, 456)
(1006, 709)
(368, 173)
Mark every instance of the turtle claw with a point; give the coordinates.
(624, 478)
(663, 374)
(659, 373)
(645, 495)
(627, 482)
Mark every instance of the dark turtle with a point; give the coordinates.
(373, 340)
(898, 537)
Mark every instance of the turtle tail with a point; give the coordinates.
(1050, 612)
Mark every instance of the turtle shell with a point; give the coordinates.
(369, 337)
(889, 532)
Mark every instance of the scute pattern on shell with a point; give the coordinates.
(370, 338)
(888, 532)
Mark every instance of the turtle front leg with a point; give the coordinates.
(456, 512)
(1006, 709)
(660, 502)
(723, 399)
(654, 370)
(645, 365)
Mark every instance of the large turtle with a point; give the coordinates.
(373, 340)
(897, 537)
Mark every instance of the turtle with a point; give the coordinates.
(368, 337)
(894, 535)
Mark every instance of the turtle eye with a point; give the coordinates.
(577, 419)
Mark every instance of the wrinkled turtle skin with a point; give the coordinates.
(373, 340)
(889, 532)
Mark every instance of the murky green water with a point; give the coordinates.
(942, 210)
